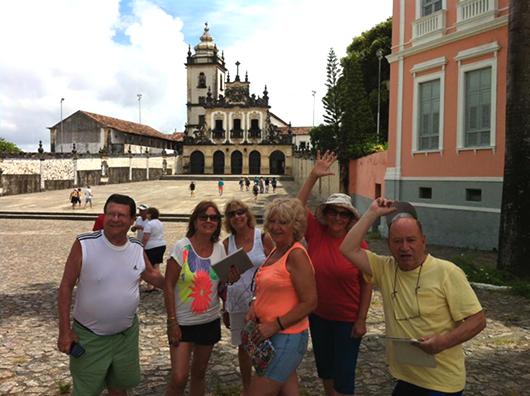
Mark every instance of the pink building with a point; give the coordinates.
(447, 116)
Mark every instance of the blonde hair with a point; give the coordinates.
(234, 202)
(289, 210)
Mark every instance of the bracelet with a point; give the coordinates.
(171, 318)
(172, 324)
(280, 323)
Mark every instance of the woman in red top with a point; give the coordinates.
(285, 294)
(339, 322)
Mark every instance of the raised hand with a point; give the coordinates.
(323, 164)
(381, 207)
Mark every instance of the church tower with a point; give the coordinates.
(206, 73)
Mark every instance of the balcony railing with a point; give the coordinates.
(254, 133)
(473, 12)
(218, 133)
(429, 27)
(236, 134)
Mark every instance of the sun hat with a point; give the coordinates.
(341, 200)
(404, 209)
(143, 207)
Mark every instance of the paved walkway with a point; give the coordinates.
(32, 258)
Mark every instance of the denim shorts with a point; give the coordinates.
(335, 352)
(289, 352)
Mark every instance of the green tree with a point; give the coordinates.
(323, 138)
(331, 101)
(365, 47)
(514, 235)
(8, 147)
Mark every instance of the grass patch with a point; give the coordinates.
(374, 235)
(63, 387)
(491, 275)
(21, 360)
(234, 390)
(503, 341)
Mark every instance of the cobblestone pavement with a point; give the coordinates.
(32, 256)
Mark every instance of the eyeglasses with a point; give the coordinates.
(344, 214)
(120, 215)
(399, 304)
(213, 217)
(233, 213)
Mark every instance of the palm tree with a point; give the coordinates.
(514, 236)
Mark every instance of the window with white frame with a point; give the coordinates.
(430, 7)
(429, 115)
(478, 108)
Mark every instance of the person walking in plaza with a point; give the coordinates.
(241, 183)
(141, 222)
(247, 183)
(261, 184)
(221, 186)
(285, 295)
(424, 298)
(267, 183)
(88, 196)
(107, 266)
(75, 198)
(192, 300)
(255, 191)
(153, 241)
(192, 188)
(239, 222)
(256, 180)
(274, 183)
(344, 296)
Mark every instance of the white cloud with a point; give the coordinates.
(65, 48)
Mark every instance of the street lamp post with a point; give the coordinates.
(62, 136)
(139, 107)
(314, 92)
(379, 55)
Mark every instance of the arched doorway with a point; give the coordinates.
(219, 163)
(236, 163)
(277, 163)
(197, 163)
(254, 163)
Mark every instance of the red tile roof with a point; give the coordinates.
(177, 136)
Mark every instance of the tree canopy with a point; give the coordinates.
(8, 147)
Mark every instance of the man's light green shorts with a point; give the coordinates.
(109, 361)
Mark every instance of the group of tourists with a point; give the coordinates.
(289, 292)
(75, 197)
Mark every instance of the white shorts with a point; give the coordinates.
(237, 324)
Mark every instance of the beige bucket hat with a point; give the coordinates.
(338, 199)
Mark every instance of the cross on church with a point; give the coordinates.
(237, 64)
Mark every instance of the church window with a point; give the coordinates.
(202, 81)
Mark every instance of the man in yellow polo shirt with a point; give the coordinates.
(424, 298)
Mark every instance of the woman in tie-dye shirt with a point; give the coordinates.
(192, 300)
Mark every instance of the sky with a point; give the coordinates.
(100, 54)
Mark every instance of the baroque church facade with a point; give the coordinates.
(228, 129)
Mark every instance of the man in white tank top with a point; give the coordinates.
(107, 266)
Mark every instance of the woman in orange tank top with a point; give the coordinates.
(285, 295)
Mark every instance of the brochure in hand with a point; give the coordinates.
(238, 259)
(407, 353)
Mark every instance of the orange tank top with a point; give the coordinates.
(276, 294)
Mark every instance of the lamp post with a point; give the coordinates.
(62, 100)
(379, 55)
(314, 92)
(139, 107)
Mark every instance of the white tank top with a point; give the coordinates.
(108, 286)
(239, 294)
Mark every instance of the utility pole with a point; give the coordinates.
(379, 55)
(62, 136)
(314, 92)
(139, 107)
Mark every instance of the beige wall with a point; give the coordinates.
(325, 186)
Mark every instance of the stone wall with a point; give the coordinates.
(302, 165)
(34, 172)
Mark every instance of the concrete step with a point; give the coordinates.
(225, 177)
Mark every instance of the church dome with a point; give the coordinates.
(206, 46)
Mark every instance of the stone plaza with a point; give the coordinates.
(33, 253)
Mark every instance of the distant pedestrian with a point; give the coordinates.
(261, 185)
(247, 183)
(221, 186)
(192, 188)
(88, 196)
(255, 191)
(74, 198)
(241, 183)
(256, 180)
(267, 183)
(274, 182)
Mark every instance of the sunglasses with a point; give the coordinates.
(203, 217)
(344, 214)
(233, 213)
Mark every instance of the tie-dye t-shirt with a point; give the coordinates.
(196, 297)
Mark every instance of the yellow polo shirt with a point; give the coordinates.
(444, 298)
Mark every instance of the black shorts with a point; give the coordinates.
(202, 334)
(156, 255)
